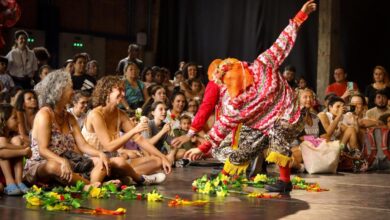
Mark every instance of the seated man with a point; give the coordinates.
(377, 149)
(373, 114)
(341, 87)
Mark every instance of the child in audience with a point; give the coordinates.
(5, 78)
(185, 124)
(196, 90)
(193, 106)
(12, 150)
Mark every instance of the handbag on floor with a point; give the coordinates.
(323, 158)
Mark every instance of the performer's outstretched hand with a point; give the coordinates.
(309, 7)
(193, 154)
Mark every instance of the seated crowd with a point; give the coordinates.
(73, 124)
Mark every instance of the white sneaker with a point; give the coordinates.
(156, 178)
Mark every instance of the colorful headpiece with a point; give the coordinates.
(231, 72)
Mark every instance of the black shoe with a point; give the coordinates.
(279, 186)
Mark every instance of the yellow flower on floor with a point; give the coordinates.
(297, 179)
(260, 178)
(206, 189)
(224, 177)
(58, 207)
(95, 192)
(216, 182)
(255, 195)
(154, 197)
(35, 201)
(54, 194)
(120, 210)
(221, 193)
(36, 189)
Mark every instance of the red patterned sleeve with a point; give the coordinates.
(210, 100)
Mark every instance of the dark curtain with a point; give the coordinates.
(203, 30)
(365, 38)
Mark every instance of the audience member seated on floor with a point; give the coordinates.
(168, 85)
(80, 102)
(313, 126)
(177, 80)
(336, 130)
(147, 77)
(381, 107)
(192, 109)
(185, 124)
(289, 75)
(328, 96)
(159, 76)
(190, 71)
(380, 78)
(81, 80)
(355, 115)
(302, 83)
(135, 90)
(12, 151)
(178, 106)
(56, 140)
(14, 93)
(196, 90)
(93, 69)
(68, 66)
(158, 132)
(5, 78)
(102, 130)
(157, 94)
(26, 107)
(341, 87)
(43, 71)
(5, 98)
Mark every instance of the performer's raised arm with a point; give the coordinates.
(279, 50)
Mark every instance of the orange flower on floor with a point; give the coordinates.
(183, 202)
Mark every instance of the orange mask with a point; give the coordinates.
(233, 73)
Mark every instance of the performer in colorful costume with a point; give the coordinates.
(256, 96)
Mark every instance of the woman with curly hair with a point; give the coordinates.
(56, 134)
(102, 129)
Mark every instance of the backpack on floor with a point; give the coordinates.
(376, 145)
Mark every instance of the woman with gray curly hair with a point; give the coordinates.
(56, 139)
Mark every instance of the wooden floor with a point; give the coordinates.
(351, 196)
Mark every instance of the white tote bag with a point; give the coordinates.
(321, 159)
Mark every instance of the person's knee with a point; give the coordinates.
(53, 168)
(119, 162)
(17, 140)
(156, 160)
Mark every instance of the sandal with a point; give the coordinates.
(23, 188)
(12, 190)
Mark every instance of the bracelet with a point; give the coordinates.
(300, 17)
